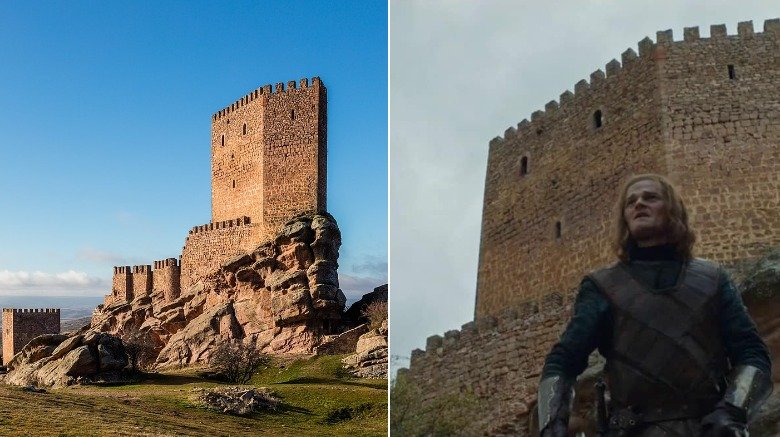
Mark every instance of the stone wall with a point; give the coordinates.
(22, 325)
(167, 278)
(207, 247)
(722, 135)
(237, 158)
(551, 183)
(294, 157)
(269, 152)
(142, 280)
(121, 285)
(498, 360)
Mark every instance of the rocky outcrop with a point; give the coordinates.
(344, 343)
(284, 297)
(370, 357)
(355, 312)
(59, 360)
(236, 400)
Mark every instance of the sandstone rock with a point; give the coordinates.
(323, 272)
(296, 256)
(35, 348)
(297, 230)
(344, 343)
(292, 306)
(111, 358)
(327, 238)
(248, 274)
(66, 346)
(78, 362)
(266, 250)
(237, 262)
(762, 278)
(237, 400)
(263, 297)
(370, 357)
(325, 292)
(81, 356)
(194, 342)
(265, 265)
(283, 280)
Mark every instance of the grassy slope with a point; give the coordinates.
(311, 392)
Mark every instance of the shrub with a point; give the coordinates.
(236, 361)
(139, 347)
(376, 313)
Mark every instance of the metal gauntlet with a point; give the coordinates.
(748, 388)
(555, 400)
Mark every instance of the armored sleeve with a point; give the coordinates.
(740, 337)
(588, 329)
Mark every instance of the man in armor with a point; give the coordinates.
(683, 356)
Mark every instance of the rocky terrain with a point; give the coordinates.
(281, 298)
(59, 360)
(367, 343)
(370, 357)
(241, 401)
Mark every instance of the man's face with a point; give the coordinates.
(645, 213)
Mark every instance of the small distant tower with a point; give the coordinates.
(22, 325)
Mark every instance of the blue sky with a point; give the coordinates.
(105, 127)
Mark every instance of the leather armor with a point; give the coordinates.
(666, 346)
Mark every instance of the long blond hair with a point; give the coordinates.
(680, 232)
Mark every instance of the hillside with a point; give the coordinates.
(316, 399)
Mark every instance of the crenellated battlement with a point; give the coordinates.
(31, 310)
(647, 52)
(123, 270)
(497, 359)
(144, 268)
(241, 221)
(266, 90)
(530, 314)
(166, 263)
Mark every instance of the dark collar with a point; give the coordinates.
(666, 252)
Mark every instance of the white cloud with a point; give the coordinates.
(354, 287)
(373, 266)
(69, 282)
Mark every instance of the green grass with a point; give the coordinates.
(317, 398)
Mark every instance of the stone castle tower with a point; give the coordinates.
(268, 164)
(703, 111)
(268, 154)
(22, 325)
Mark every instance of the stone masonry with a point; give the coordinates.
(703, 111)
(497, 360)
(268, 162)
(22, 325)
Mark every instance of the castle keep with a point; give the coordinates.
(268, 164)
(22, 325)
(704, 111)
